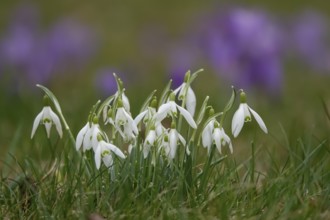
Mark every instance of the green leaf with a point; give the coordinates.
(165, 93)
(214, 163)
(194, 75)
(202, 111)
(231, 100)
(105, 103)
(147, 101)
(52, 97)
(119, 83)
(325, 107)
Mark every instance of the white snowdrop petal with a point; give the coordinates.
(98, 156)
(217, 138)
(48, 126)
(125, 102)
(107, 160)
(173, 141)
(187, 116)
(191, 101)
(178, 89)
(139, 117)
(36, 123)
(182, 140)
(163, 111)
(259, 120)
(80, 136)
(238, 121)
(114, 149)
(57, 122)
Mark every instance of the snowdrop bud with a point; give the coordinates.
(173, 125)
(166, 138)
(211, 112)
(187, 77)
(95, 120)
(153, 102)
(172, 96)
(120, 103)
(99, 138)
(121, 84)
(242, 97)
(46, 100)
(110, 112)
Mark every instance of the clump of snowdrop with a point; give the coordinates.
(167, 127)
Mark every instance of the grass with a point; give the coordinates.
(275, 179)
(60, 188)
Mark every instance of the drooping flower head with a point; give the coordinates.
(221, 138)
(87, 136)
(243, 114)
(187, 95)
(48, 118)
(103, 152)
(170, 108)
(124, 122)
(175, 138)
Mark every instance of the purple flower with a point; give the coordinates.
(70, 42)
(18, 42)
(34, 55)
(17, 46)
(245, 47)
(309, 34)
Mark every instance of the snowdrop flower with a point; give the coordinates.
(164, 143)
(174, 139)
(147, 115)
(125, 104)
(81, 136)
(221, 138)
(189, 96)
(124, 123)
(207, 137)
(243, 115)
(149, 118)
(109, 119)
(171, 108)
(48, 118)
(87, 136)
(149, 142)
(103, 151)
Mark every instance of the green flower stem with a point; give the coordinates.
(206, 170)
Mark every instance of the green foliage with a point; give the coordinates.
(274, 180)
(60, 188)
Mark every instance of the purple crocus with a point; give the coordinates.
(309, 34)
(71, 42)
(244, 46)
(18, 42)
(33, 55)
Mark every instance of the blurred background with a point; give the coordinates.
(278, 52)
